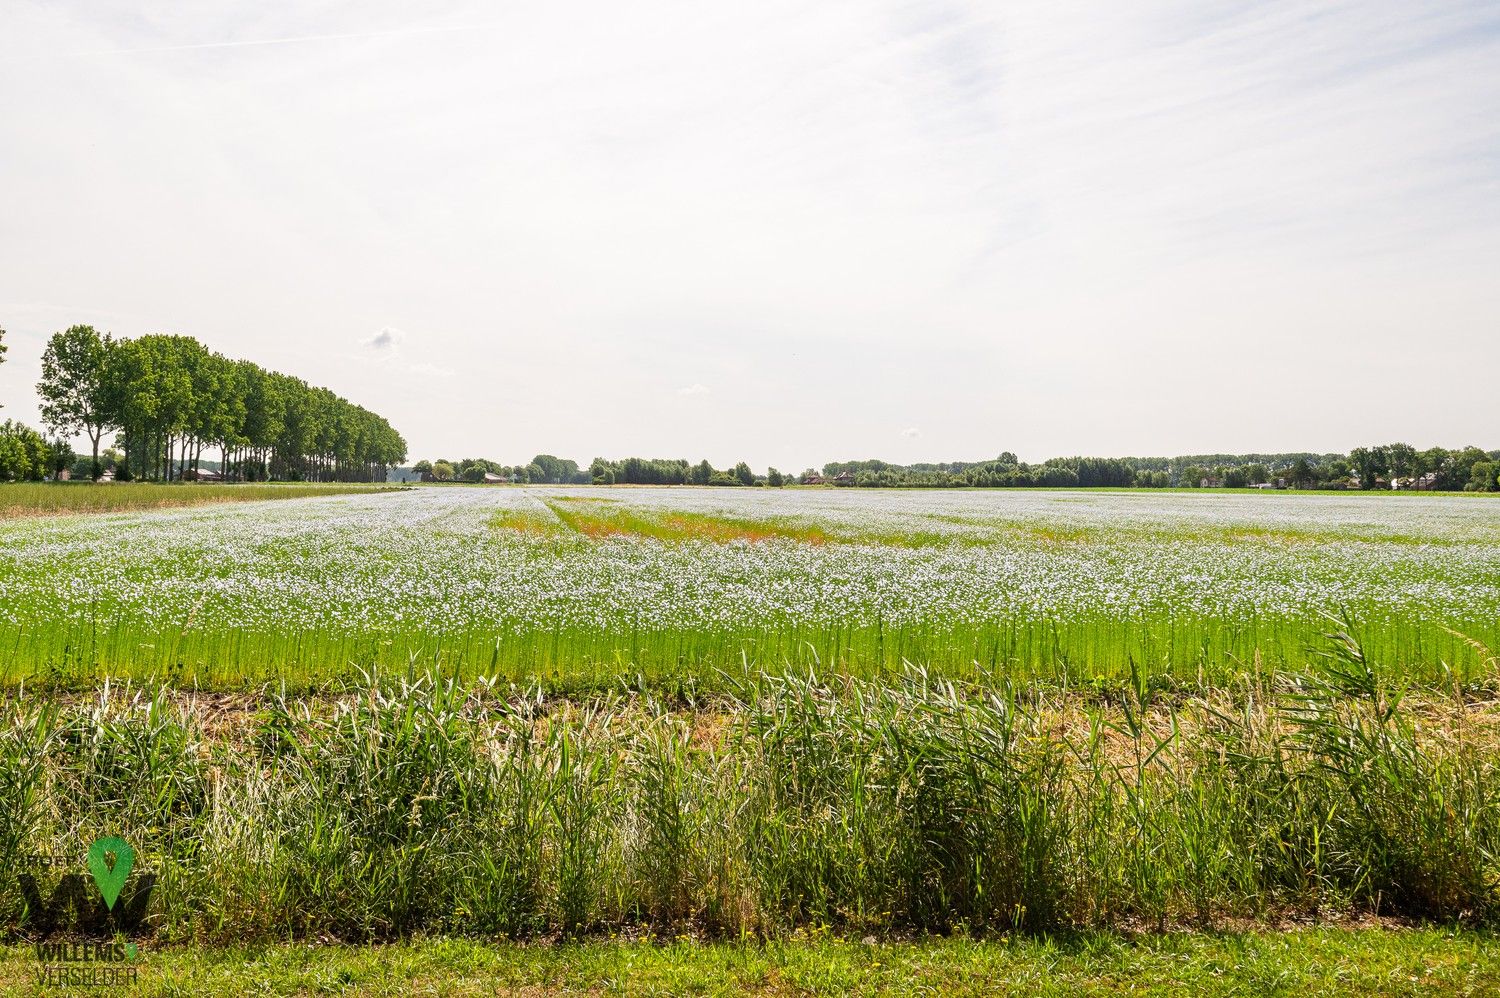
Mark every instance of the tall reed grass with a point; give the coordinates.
(414, 803)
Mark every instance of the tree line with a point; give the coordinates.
(545, 469)
(1387, 466)
(170, 399)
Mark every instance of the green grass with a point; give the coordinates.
(1083, 649)
(413, 805)
(788, 836)
(18, 499)
(1330, 961)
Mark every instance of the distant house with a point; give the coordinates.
(490, 478)
(200, 475)
(814, 480)
(64, 475)
(1265, 485)
(844, 478)
(1418, 483)
(107, 476)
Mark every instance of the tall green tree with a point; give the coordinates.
(1402, 460)
(1367, 462)
(76, 385)
(171, 397)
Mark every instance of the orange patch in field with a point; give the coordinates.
(596, 527)
(724, 531)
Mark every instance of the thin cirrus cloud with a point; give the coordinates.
(1164, 226)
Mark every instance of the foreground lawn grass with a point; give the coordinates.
(1325, 961)
(19, 499)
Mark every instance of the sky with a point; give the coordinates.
(780, 232)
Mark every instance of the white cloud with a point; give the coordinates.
(389, 340)
(694, 389)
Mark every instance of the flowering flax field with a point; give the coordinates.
(586, 587)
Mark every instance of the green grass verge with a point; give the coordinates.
(1325, 961)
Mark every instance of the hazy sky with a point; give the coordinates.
(783, 232)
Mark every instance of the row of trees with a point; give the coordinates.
(1006, 471)
(1398, 465)
(544, 469)
(1363, 468)
(1381, 467)
(661, 471)
(170, 399)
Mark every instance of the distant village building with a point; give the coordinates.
(490, 478)
(1419, 483)
(200, 475)
(814, 480)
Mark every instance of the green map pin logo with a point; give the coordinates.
(111, 879)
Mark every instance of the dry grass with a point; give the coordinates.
(24, 499)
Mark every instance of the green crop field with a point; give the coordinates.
(590, 587)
